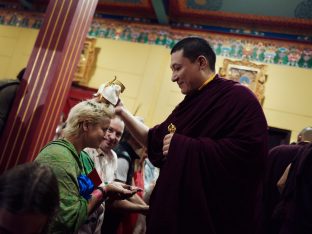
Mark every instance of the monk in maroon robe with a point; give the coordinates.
(212, 158)
(288, 208)
(279, 159)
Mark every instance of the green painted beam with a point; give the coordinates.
(160, 11)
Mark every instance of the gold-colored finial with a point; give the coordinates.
(117, 82)
(171, 128)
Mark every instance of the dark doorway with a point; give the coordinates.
(278, 136)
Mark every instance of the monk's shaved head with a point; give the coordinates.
(305, 135)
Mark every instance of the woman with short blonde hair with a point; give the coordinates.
(85, 127)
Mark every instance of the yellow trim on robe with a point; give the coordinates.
(211, 77)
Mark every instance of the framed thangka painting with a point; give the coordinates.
(247, 73)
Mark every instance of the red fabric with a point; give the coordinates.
(76, 95)
(129, 221)
(139, 182)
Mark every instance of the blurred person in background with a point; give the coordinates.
(29, 199)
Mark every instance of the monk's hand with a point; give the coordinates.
(119, 103)
(119, 108)
(166, 143)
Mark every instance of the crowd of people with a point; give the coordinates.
(205, 169)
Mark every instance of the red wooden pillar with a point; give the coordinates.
(47, 80)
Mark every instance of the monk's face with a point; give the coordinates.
(187, 74)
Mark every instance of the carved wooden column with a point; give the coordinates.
(47, 80)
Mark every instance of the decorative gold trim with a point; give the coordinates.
(117, 82)
(247, 73)
(86, 62)
(171, 128)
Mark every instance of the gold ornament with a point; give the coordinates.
(171, 128)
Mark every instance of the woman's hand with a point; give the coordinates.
(118, 191)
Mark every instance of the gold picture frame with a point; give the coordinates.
(249, 74)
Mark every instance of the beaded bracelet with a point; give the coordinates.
(102, 191)
(98, 194)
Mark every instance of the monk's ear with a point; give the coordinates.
(203, 62)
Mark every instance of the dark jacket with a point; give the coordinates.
(8, 90)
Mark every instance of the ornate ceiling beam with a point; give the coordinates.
(160, 11)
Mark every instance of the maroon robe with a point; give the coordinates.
(291, 211)
(210, 181)
(296, 204)
(278, 160)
